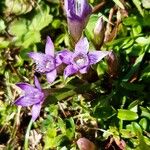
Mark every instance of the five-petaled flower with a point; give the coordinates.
(81, 59)
(46, 63)
(78, 12)
(32, 96)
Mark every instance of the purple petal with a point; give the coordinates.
(36, 111)
(63, 57)
(69, 70)
(26, 87)
(84, 70)
(44, 63)
(49, 48)
(36, 82)
(96, 56)
(26, 101)
(36, 56)
(82, 46)
(51, 76)
(86, 9)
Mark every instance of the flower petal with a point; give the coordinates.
(96, 56)
(69, 70)
(26, 101)
(49, 48)
(84, 70)
(51, 76)
(26, 87)
(36, 111)
(37, 83)
(36, 56)
(82, 46)
(86, 9)
(63, 56)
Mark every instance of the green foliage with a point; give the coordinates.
(105, 108)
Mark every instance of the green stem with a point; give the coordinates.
(26, 142)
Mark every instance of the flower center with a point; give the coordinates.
(45, 65)
(80, 60)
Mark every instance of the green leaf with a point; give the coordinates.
(146, 4)
(2, 26)
(41, 19)
(70, 128)
(30, 38)
(145, 112)
(124, 114)
(143, 123)
(137, 129)
(18, 27)
(91, 25)
(138, 5)
(143, 40)
(119, 4)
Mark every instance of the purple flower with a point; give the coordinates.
(46, 63)
(81, 59)
(32, 96)
(78, 12)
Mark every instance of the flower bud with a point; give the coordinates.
(85, 144)
(99, 33)
(112, 64)
(78, 12)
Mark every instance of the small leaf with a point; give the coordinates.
(146, 4)
(124, 114)
(137, 3)
(143, 123)
(119, 4)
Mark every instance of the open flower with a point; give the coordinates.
(81, 59)
(32, 96)
(78, 12)
(46, 63)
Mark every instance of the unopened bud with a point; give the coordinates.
(85, 144)
(112, 61)
(99, 33)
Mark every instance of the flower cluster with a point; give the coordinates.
(78, 61)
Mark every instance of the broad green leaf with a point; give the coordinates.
(41, 19)
(30, 38)
(127, 133)
(18, 28)
(143, 40)
(128, 115)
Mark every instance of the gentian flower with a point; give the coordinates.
(81, 59)
(32, 96)
(78, 12)
(46, 63)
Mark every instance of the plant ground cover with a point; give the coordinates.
(106, 108)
